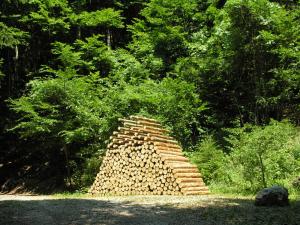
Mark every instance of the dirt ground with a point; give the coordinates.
(154, 210)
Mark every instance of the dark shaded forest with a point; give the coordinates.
(222, 76)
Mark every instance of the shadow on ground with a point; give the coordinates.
(223, 211)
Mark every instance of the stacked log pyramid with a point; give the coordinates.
(142, 159)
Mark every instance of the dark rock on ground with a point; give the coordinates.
(272, 196)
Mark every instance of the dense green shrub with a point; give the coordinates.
(260, 157)
(255, 157)
(209, 159)
(87, 166)
(172, 101)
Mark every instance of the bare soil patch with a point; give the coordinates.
(160, 210)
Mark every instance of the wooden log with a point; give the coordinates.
(127, 121)
(174, 158)
(190, 180)
(149, 124)
(143, 118)
(167, 145)
(162, 140)
(191, 184)
(145, 132)
(187, 175)
(170, 153)
(129, 124)
(150, 128)
(162, 136)
(182, 165)
(124, 136)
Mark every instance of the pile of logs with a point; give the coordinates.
(142, 159)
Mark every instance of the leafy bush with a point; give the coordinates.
(209, 159)
(172, 101)
(260, 157)
(89, 160)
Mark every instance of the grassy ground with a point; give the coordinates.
(84, 209)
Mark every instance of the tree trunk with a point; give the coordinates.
(262, 169)
(67, 165)
(78, 32)
(109, 38)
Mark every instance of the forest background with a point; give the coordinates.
(223, 76)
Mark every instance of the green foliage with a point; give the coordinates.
(239, 65)
(260, 157)
(51, 104)
(209, 159)
(127, 68)
(78, 109)
(66, 113)
(160, 38)
(71, 109)
(84, 57)
(11, 36)
(172, 101)
(196, 66)
(51, 15)
(86, 166)
(106, 17)
(61, 16)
